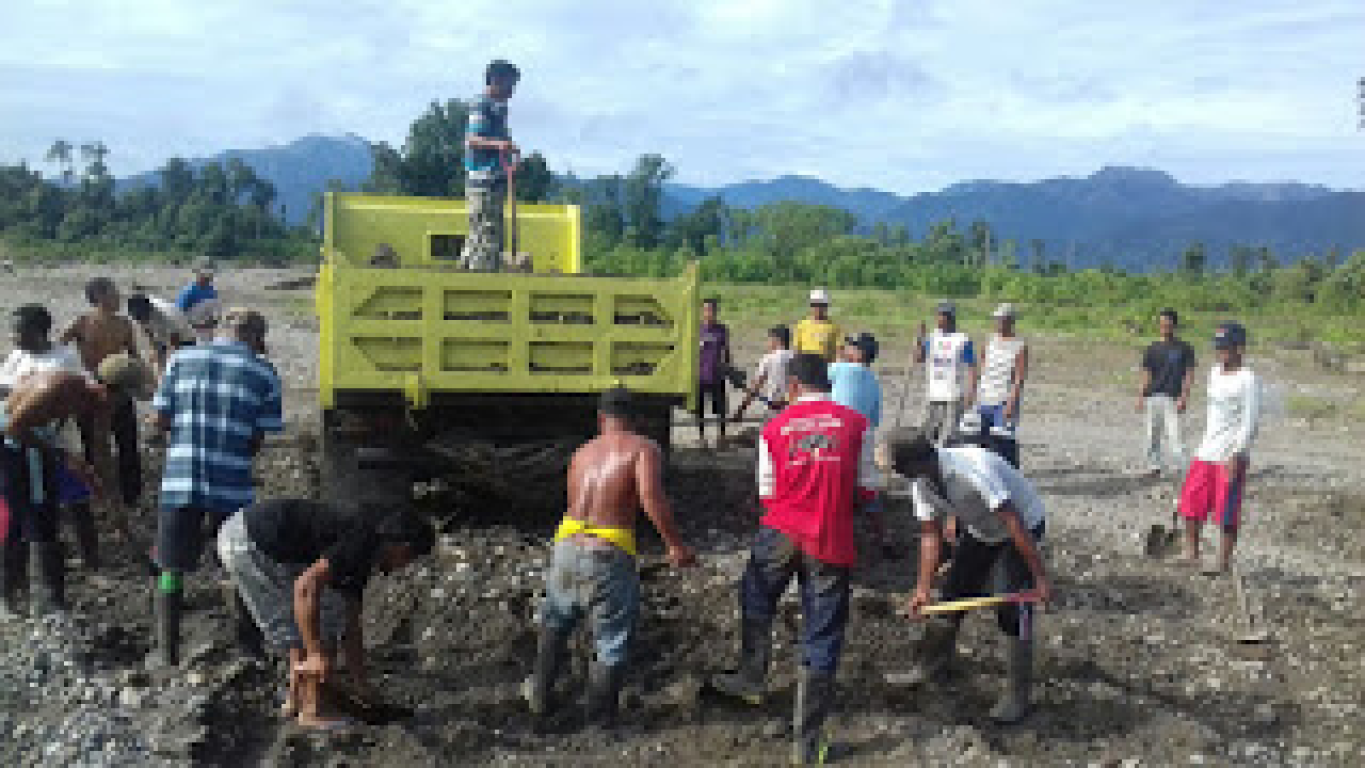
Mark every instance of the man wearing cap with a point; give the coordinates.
(950, 364)
(1002, 374)
(816, 334)
(30, 455)
(1216, 479)
(488, 147)
(216, 402)
(593, 573)
(1000, 520)
(815, 470)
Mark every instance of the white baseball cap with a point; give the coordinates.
(1004, 310)
(819, 296)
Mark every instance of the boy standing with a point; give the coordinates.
(1003, 372)
(98, 334)
(1167, 372)
(488, 144)
(1216, 478)
(770, 379)
(714, 362)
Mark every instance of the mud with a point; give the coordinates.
(1137, 660)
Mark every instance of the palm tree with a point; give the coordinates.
(60, 153)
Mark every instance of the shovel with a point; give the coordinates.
(1254, 632)
(518, 262)
(1161, 541)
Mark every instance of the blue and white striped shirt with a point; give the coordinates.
(218, 396)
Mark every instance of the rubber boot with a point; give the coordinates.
(604, 694)
(249, 638)
(1014, 703)
(11, 578)
(814, 701)
(933, 656)
(167, 629)
(538, 688)
(46, 578)
(749, 682)
(87, 540)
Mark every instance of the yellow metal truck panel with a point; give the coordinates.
(425, 327)
(429, 232)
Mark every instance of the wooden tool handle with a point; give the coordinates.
(971, 603)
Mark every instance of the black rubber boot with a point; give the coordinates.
(749, 682)
(87, 540)
(933, 656)
(12, 562)
(1014, 702)
(166, 627)
(46, 578)
(250, 641)
(604, 694)
(814, 701)
(538, 688)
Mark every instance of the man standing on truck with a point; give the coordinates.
(593, 572)
(488, 145)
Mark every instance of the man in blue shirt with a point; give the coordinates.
(488, 144)
(216, 402)
(199, 302)
(855, 385)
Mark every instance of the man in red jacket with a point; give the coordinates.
(815, 469)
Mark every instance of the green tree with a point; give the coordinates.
(535, 182)
(643, 198)
(1193, 260)
(60, 153)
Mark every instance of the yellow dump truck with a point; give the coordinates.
(430, 371)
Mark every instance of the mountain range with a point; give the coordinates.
(1132, 218)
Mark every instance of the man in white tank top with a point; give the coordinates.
(1002, 374)
(950, 364)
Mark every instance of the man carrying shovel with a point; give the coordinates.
(488, 152)
(1000, 520)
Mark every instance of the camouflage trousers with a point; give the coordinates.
(483, 247)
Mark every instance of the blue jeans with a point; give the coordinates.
(27, 485)
(600, 582)
(773, 561)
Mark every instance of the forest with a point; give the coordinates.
(227, 212)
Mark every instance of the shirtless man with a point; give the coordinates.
(29, 454)
(593, 570)
(98, 334)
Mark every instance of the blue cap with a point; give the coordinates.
(1229, 335)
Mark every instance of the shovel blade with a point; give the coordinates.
(1160, 541)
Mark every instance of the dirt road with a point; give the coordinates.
(1137, 661)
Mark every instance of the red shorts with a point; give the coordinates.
(1209, 490)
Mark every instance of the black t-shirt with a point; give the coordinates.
(301, 532)
(1167, 361)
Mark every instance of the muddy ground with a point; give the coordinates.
(1138, 660)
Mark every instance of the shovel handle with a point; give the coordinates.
(972, 603)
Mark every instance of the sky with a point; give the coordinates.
(904, 96)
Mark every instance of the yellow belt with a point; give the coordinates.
(623, 538)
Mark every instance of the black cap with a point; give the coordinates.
(616, 401)
(865, 342)
(1229, 335)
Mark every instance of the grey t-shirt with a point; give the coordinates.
(1167, 362)
(975, 483)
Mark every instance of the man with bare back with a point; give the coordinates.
(593, 572)
(29, 456)
(97, 334)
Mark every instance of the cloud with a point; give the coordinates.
(900, 94)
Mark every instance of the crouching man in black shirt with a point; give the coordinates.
(301, 568)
